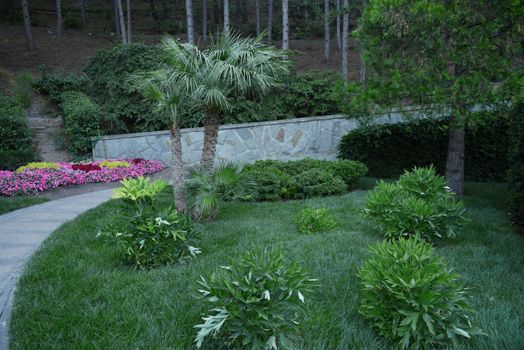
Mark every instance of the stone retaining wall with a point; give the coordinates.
(314, 137)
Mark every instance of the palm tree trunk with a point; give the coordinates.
(455, 158)
(121, 21)
(338, 25)
(27, 25)
(190, 27)
(285, 25)
(204, 21)
(211, 125)
(326, 30)
(178, 170)
(345, 39)
(226, 18)
(58, 17)
(128, 21)
(269, 20)
(257, 15)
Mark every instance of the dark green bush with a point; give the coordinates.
(72, 20)
(413, 298)
(319, 182)
(388, 150)
(267, 183)
(16, 138)
(517, 167)
(24, 89)
(81, 121)
(55, 84)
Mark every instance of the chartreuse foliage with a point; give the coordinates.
(419, 203)
(316, 220)
(38, 165)
(256, 303)
(413, 298)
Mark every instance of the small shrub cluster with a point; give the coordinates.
(304, 178)
(81, 121)
(412, 298)
(113, 164)
(147, 235)
(256, 303)
(16, 138)
(24, 89)
(419, 203)
(55, 84)
(390, 149)
(316, 220)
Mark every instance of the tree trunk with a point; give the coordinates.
(455, 160)
(152, 8)
(178, 170)
(216, 12)
(326, 30)
(345, 42)
(362, 68)
(121, 21)
(211, 125)
(226, 18)
(27, 25)
(83, 12)
(339, 40)
(58, 17)
(204, 21)
(117, 18)
(190, 27)
(269, 20)
(285, 25)
(257, 15)
(128, 21)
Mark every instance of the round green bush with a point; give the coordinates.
(316, 220)
(267, 182)
(413, 298)
(318, 182)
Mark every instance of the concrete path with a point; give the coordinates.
(23, 231)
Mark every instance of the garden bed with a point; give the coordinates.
(77, 293)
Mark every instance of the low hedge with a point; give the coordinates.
(81, 121)
(16, 138)
(516, 177)
(274, 180)
(388, 150)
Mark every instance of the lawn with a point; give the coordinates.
(8, 204)
(75, 292)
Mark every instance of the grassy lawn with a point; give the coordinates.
(8, 204)
(76, 294)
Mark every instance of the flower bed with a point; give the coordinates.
(31, 181)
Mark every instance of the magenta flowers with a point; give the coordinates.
(32, 181)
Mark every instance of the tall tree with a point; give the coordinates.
(362, 67)
(190, 26)
(27, 25)
(226, 18)
(339, 37)
(58, 17)
(204, 21)
(257, 16)
(327, 44)
(285, 25)
(117, 17)
(445, 56)
(128, 37)
(345, 41)
(269, 20)
(121, 21)
(83, 12)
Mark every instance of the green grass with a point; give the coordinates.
(8, 204)
(76, 294)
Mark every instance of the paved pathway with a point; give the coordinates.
(23, 231)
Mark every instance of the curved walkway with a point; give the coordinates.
(23, 231)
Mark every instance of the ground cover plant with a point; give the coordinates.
(89, 298)
(419, 204)
(316, 220)
(39, 177)
(8, 204)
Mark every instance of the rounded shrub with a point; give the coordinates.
(348, 170)
(267, 183)
(318, 182)
(316, 220)
(413, 298)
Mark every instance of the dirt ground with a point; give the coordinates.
(72, 50)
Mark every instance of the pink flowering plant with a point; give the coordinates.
(32, 181)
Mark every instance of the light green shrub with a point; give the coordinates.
(316, 220)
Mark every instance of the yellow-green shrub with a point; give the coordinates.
(39, 165)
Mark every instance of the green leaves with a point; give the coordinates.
(316, 220)
(257, 302)
(412, 297)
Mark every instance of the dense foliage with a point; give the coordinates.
(16, 138)
(390, 149)
(517, 167)
(419, 204)
(81, 121)
(413, 298)
(23, 89)
(150, 236)
(304, 178)
(316, 220)
(256, 303)
(55, 84)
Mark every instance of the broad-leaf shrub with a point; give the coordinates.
(419, 203)
(55, 84)
(318, 182)
(147, 235)
(81, 121)
(256, 303)
(316, 220)
(413, 298)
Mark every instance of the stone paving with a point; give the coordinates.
(21, 234)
